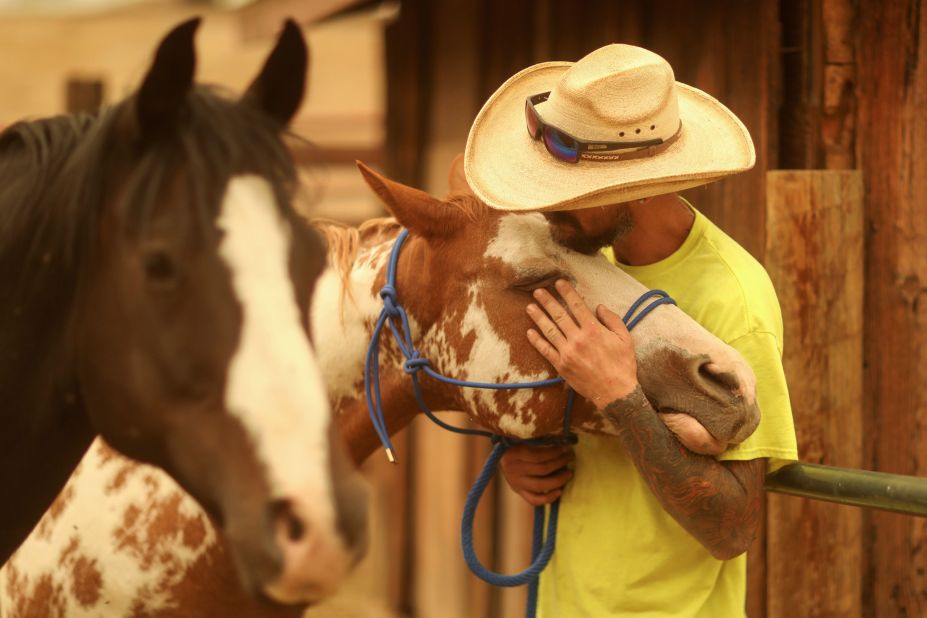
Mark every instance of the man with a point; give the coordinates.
(647, 528)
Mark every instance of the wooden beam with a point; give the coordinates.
(263, 19)
(814, 256)
(892, 149)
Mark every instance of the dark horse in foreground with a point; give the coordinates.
(154, 289)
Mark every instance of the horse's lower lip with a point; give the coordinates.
(264, 597)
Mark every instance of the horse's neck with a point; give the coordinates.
(345, 310)
(43, 428)
(39, 271)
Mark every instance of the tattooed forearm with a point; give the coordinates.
(718, 503)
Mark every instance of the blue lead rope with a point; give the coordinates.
(542, 546)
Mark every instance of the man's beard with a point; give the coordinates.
(567, 231)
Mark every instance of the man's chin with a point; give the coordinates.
(568, 232)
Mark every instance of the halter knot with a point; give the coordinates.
(388, 294)
(414, 364)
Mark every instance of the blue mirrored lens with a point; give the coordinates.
(560, 145)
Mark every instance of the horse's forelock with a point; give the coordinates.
(216, 139)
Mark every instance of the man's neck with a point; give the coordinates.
(661, 225)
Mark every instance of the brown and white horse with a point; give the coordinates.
(154, 286)
(465, 277)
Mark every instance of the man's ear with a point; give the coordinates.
(456, 179)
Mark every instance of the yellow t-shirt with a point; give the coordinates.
(618, 552)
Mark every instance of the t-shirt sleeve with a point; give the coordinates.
(775, 435)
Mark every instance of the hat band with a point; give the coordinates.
(640, 153)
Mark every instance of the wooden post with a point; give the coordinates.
(83, 95)
(892, 149)
(814, 255)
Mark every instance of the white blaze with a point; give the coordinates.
(274, 385)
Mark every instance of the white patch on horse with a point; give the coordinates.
(490, 360)
(274, 384)
(341, 337)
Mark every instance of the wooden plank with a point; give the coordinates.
(892, 149)
(802, 85)
(441, 576)
(839, 109)
(83, 95)
(730, 59)
(814, 255)
(407, 69)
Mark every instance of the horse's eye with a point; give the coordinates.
(536, 282)
(159, 267)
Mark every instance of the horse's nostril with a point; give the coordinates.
(294, 528)
(285, 519)
(712, 373)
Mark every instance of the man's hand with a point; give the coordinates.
(593, 352)
(537, 473)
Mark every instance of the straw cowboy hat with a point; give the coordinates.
(645, 134)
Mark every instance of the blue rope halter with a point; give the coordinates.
(542, 544)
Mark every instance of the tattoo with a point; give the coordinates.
(719, 503)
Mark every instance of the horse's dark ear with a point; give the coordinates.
(422, 213)
(169, 79)
(278, 88)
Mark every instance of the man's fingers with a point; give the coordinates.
(611, 320)
(543, 347)
(540, 499)
(556, 311)
(546, 484)
(575, 302)
(531, 468)
(550, 330)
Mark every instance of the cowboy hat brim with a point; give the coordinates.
(509, 170)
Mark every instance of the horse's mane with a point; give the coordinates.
(33, 154)
(56, 173)
(345, 241)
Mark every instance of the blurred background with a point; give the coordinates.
(832, 89)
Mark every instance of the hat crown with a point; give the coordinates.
(618, 92)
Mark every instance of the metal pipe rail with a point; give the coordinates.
(874, 490)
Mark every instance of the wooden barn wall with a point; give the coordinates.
(892, 147)
(854, 82)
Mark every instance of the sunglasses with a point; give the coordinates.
(565, 147)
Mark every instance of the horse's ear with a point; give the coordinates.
(456, 179)
(278, 89)
(422, 213)
(169, 78)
